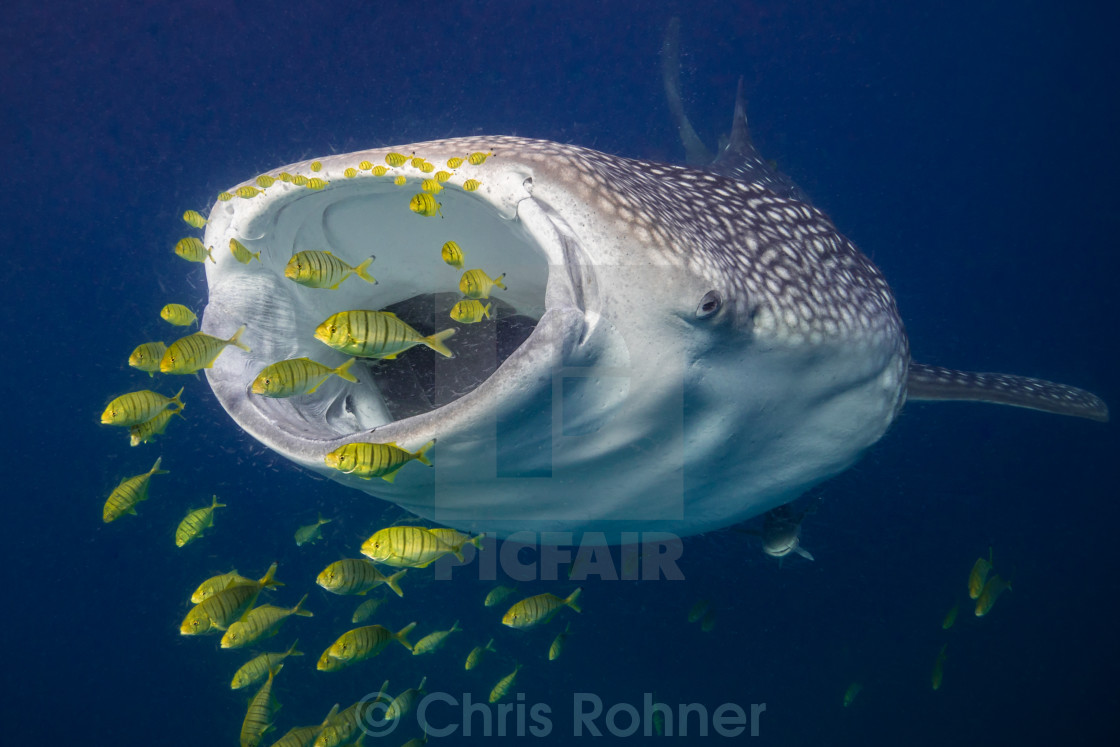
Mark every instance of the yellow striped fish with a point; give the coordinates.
(403, 703)
(193, 250)
(471, 185)
(316, 166)
(357, 576)
(475, 656)
(939, 668)
(950, 618)
(478, 159)
(431, 186)
(258, 717)
(194, 219)
(477, 284)
(433, 642)
(505, 684)
(990, 593)
(538, 610)
(311, 533)
(195, 523)
(452, 254)
(498, 595)
(297, 376)
(256, 668)
(241, 252)
(406, 547)
(442, 176)
(367, 461)
(321, 269)
(376, 334)
(395, 159)
(136, 407)
(317, 183)
(195, 352)
(149, 429)
(366, 609)
(365, 165)
(178, 314)
(350, 173)
(128, 493)
(247, 192)
(146, 357)
(454, 163)
(225, 606)
(214, 584)
(360, 644)
(342, 728)
(469, 311)
(979, 574)
(424, 204)
(260, 622)
(304, 736)
(557, 646)
(266, 180)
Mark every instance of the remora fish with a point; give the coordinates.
(687, 325)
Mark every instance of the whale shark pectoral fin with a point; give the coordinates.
(804, 553)
(936, 383)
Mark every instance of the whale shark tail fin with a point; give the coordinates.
(936, 383)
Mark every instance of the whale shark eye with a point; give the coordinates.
(709, 305)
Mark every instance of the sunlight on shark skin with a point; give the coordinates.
(700, 349)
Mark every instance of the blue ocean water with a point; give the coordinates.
(969, 151)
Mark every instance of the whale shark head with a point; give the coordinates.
(675, 350)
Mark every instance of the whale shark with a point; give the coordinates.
(676, 349)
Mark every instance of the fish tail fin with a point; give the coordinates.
(343, 371)
(210, 254)
(268, 580)
(292, 649)
(455, 625)
(215, 504)
(321, 521)
(175, 400)
(486, 310)
(402, 635)
(236, 339)
(298, 609)
(572, 600)
(477, 540)
(435, 342)
(361, 271)
(490, 646)
(155, 470)
(935, 383)
(393, 582)
(498, 282)
(421, 455)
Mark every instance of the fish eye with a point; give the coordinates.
(709, 305)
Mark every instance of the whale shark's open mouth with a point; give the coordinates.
(500, 361)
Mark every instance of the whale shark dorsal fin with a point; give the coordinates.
(936, 383)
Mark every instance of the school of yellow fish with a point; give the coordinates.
(227, 605)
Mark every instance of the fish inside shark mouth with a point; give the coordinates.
(418, 381)
(372, 217)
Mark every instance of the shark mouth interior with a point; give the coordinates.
(353, 219)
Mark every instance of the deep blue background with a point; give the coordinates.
(969, 149)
